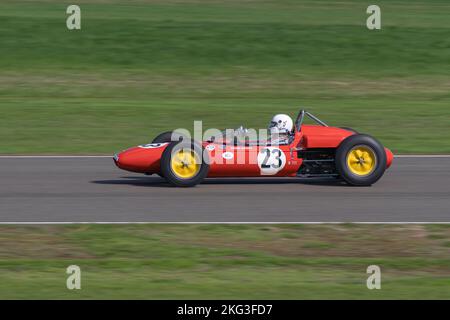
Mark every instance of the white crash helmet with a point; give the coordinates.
(281, 123)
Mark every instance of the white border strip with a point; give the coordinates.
(110, 156)
(217, 222)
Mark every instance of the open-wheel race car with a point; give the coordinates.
(292, 149)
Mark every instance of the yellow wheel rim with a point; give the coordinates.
(185, 163)
(361, 160)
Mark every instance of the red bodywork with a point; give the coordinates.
(147, 159)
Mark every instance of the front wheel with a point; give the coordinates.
(360, 160)
(183, 164)
(168, 136)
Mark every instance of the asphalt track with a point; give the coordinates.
(94, 190)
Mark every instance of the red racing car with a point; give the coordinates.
(291, 150)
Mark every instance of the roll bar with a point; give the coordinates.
(301, 116)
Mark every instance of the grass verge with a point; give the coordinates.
(225, 261)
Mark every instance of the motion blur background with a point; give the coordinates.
(139, 67)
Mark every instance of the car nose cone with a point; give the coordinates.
(138, 159)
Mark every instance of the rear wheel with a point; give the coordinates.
(349, 129)
(360, 160)
(183, 164)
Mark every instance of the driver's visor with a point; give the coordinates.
(272, 124)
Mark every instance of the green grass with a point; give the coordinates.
(143, 67)
(225, 261)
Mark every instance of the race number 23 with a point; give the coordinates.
(271, 160)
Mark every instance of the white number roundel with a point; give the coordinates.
(271, 160)
(153, 145)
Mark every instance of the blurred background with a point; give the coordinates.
(140, 67)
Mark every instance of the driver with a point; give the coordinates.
(280, 128)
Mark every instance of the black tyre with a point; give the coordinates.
(360, 160)
(167, 137)
(164, 138)
(349, 129)
(183, 163)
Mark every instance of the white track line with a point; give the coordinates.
(216, 222)
(81, 157)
